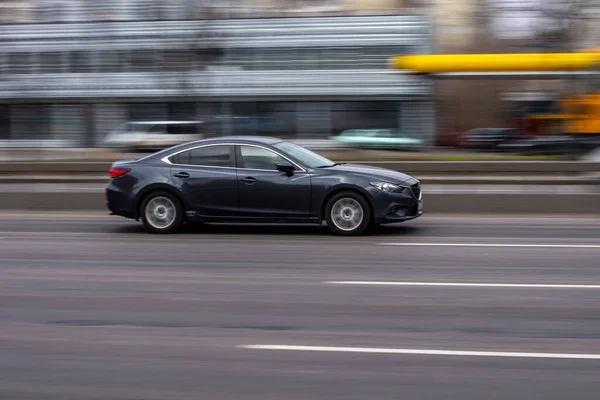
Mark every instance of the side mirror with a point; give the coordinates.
(286, 167)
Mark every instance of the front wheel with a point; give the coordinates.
(161, 212)
(348, 214)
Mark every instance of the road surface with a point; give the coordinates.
(439, 308)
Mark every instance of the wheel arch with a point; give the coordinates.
(144, 193)
(339, 189)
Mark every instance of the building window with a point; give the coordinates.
(108, 61)
(276, 118)
(30, 121)
(19, 63)
(148, 112)
(325, 58)
(79, 61)
(364, 115)
(143, 60)
(4, 121)
(177, 60)
(50, 62)
(181, 111)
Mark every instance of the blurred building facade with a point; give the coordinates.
(74, 70)
(27, 11)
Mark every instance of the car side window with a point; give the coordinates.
(209, 156)
(181, 158)
(260, 158)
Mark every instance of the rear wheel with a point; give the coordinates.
(348, 214)
(161, 212)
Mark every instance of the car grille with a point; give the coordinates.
(416, 190)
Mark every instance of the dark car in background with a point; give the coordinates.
(550, 145)
(488, 139)
(258, 180)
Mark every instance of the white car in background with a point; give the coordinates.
(378, 139)
(154, 135)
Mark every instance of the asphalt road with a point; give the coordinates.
(91, 307)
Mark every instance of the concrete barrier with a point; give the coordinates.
(500, 203)
(446, 203)
(54, 168)
(52, 201)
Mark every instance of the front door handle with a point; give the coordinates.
(249, 180)
(182, 175)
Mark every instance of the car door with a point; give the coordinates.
(265, 192)
(207, 179)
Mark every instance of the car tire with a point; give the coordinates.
(161, 212)
(348, 214)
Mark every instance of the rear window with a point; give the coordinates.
(209, 156)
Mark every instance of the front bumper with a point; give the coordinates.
(396, 207)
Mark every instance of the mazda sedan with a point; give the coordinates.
(258, 180)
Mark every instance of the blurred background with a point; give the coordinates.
(149, 73)
(493, 105)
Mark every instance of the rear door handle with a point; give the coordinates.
(182, 175)
(249, 180)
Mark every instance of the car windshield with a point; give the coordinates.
(304, 156)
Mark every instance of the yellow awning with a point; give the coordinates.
(448, 63)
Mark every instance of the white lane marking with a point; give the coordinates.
(556, 246)
(466, 284)
(424, 352)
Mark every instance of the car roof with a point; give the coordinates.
(264, 140)
(239, 139)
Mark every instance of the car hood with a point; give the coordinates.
(375, 173)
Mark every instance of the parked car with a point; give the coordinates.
(154, 135)
(321, 144)
(258, 179)
(545, 145)
(378, 139)
(553, 145)
(488, 138)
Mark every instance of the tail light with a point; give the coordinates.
(116, 172)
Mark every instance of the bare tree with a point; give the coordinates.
(568, 22)
(557, 24)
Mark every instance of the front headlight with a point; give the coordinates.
(385, 186)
